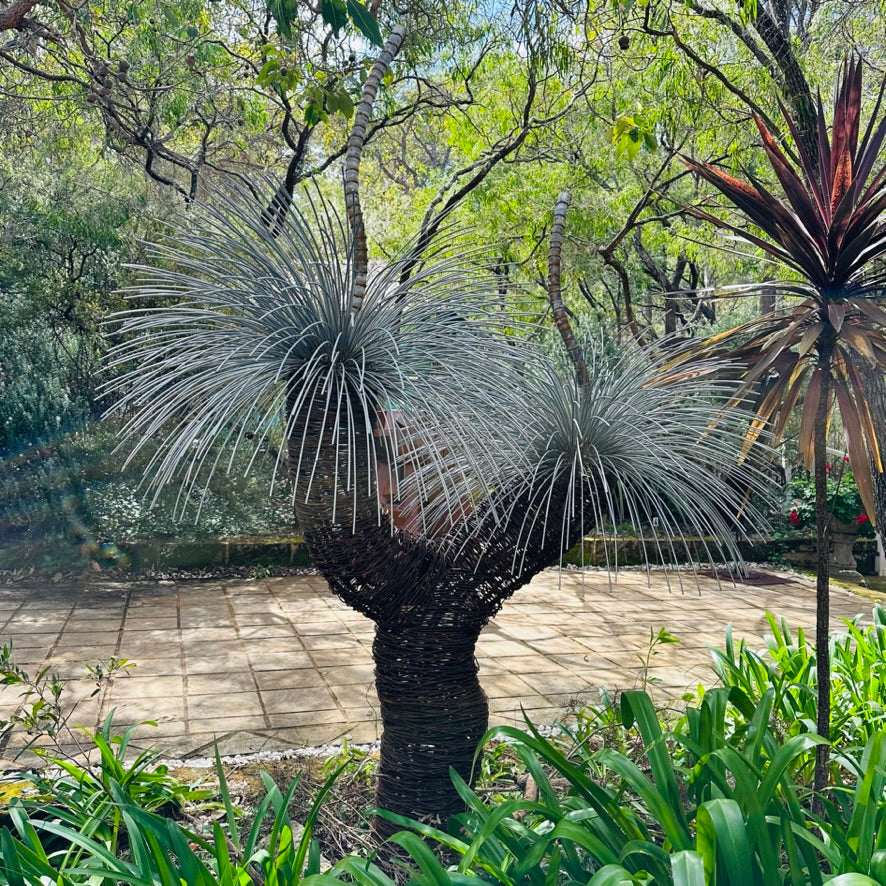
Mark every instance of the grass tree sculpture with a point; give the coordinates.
(829, 230)
(438, 460)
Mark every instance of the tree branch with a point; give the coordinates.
(352, 164)
(554, 292)
(11, 17)
(742, 33)
(739, 93)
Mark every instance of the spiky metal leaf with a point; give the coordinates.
(418, 408)
(261, 328)
(632, 444)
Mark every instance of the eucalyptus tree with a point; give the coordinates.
(203, 89)
(438, 461)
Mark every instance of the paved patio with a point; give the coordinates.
(279, 663)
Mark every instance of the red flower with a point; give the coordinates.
(795, 518)
(827, 467)
(862, 518)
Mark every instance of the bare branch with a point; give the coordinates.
(651, 189)
(554, 292)
(12, 16)
(352, 164)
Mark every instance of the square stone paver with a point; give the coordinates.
(302, 678)
(222, 703)
(283, 662)
(221, 681)
(311, 699)
(132, 687)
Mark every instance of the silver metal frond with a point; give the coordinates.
(632, 445)
(242, 335)
(422, 408)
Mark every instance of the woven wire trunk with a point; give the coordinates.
(429, 607)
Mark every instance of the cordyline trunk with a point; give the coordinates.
(429, 608)
(822, 585)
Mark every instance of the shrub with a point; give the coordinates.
(722, 795)
(787, 669)
(75, 500)
(107, 828)
(844, 501)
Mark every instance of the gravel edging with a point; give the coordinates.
(323, 750)
(317, 751)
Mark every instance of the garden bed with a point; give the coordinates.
(627, 795)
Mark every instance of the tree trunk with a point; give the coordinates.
(822, 584)
(429, 603)
(767, 300)
(434, 713)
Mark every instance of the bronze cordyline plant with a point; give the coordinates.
(828, 229)
(438, 461)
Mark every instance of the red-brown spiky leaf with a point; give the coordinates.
(796, 190)
(766, 245)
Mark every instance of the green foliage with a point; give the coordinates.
(77, 500)
(87, 798)
(40, 712)
(35, 394)
(787, 669)
(356, 763)
(710, 802)
(844, 502)
(661, 637)
(721, 796)
(114, 827)
(718, 796)
(336, 14)
(631, 133)
(62, 247)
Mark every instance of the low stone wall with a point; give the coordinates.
(593, 551)
(172, 554)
